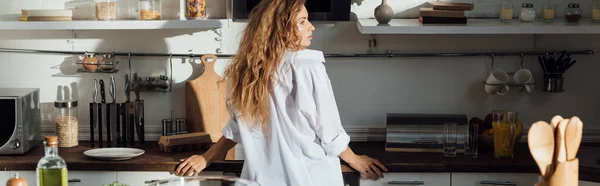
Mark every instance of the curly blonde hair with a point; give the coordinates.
(271, 30)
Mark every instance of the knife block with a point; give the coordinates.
(566, 173)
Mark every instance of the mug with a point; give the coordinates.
(497, 77)
(523, 77)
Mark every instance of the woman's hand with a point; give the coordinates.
(367, 166)
(192, 166)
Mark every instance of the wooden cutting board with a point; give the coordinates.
(206, 110)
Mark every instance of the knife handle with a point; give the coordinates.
(142, 133)
(102, 93)
(92, 121)
(124, 125)
(118, 125)
(131, 134)
(100, 141)
(108, 123)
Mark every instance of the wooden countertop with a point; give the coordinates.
(156, 160)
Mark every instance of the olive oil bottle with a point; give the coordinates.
(52, 169)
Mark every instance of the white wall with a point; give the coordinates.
(366, 88)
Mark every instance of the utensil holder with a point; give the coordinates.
(553, 84)
(566, 173)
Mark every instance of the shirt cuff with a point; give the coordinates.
(337, 145)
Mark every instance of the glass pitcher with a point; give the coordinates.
(504, 124)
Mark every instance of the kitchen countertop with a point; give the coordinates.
(156, 160)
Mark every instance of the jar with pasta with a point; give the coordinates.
(150, 9)
(106, 10)
(67, 124)
(195, 9)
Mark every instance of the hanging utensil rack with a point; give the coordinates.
(387, 54)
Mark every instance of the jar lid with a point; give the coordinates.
(88, 55)
(527, 5)
(573, 5)
(65, 103)
(51, 141)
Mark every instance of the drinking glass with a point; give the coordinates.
(549, 12)
(504, 129)
(506, 12)
(450, 139)
(596, 13)
(471, 139)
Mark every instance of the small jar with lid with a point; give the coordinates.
(90, 62)
(107, 62)
(527, 12)
(195, 9)
(573, 13)
(67, 123)
(150, 9)
(106, 10)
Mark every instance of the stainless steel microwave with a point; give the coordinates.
(19, 120)
(318, 10)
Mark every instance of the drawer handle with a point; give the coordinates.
(406, 183)
(74, 180)
(149, 182)
(498, 183)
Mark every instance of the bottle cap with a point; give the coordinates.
(51, 141)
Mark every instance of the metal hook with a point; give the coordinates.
(522, 56)
(171, 72)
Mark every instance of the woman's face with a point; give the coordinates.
(305, 28)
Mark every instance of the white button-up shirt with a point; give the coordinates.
(305, 135)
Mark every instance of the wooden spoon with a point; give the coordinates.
(573, 137)
(541, 145)
(554, 124)
(555, 120)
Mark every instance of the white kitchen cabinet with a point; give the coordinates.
(84, 178)
(490, 179)
(139, 178)
(401, 178)
(77, 178)
(4, 176)
(588, 183)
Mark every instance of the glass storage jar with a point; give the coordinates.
(549, 12)
(527, 12)
(596, 13)
(106, 10)
(573, 13)
(195, 9)
(89, 62)
(150, 10)
(506, 12)
(67, 124)
(107, 62)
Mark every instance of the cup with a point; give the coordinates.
(504, 130)
(494, 83)
(524, 77)
(549, 12)
(506, 12)
(596, 13)
(450, 141)
(471, 139)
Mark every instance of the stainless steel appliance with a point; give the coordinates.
(19, 120)
(422, 132)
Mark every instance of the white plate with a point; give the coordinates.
(114, 153)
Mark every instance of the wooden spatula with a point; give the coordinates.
(573, 137)
(560, 140)
(540, 139)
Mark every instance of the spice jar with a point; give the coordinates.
(107, 62)
(89, 62)
(527, 12)
(506, 12)
(549, 12)
(65, 116)
(195, 9)
(573, 13)
(150, 9)
(106, 10)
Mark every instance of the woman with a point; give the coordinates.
(283, 110)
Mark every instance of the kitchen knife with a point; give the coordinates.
(100, 123)
(93, 107)
(125, 111)
(111, 114)
(118, 125)
(139, 105)
(129, 114)
(136, 111)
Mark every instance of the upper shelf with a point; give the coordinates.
(114, 25)
(478, 26)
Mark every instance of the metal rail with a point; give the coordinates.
(388, 54)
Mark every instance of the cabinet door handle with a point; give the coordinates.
(498, 183)
(150, 181)
(406, 183)
(74, 180)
